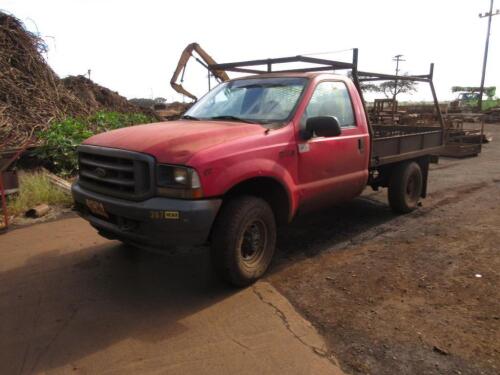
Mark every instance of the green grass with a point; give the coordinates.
(35, 188)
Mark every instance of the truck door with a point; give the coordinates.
(332, 169)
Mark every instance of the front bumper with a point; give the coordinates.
(156, 222)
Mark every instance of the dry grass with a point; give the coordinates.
(35, 188)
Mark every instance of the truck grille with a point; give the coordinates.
(118, 173)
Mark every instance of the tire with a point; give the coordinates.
(405, 187)
(243, 240)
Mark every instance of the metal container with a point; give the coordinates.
(10, 182)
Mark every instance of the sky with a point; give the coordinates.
(133, 46)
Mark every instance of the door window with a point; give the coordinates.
(330, 99)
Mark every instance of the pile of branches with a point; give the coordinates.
(31, 94)
(96, 97)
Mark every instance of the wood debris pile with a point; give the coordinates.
(31, 94)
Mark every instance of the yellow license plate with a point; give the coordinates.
(96, 208)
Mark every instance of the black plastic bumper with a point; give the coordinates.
(157, 222)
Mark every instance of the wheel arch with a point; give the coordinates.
(384, 173)
(271, 190)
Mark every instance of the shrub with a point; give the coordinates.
(59, 144)
(104, 121)
(60, 140)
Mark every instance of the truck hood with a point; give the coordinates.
(174, 142)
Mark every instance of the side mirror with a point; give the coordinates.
(322, 126)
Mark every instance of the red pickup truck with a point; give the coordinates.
(249, 156)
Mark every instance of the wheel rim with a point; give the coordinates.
(413, 188)
(253, 241)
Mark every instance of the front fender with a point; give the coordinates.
(232, 175)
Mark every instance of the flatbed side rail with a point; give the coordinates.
(394, 144)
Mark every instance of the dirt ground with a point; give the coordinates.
(72, 302)
(413, 294)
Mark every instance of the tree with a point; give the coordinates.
(389, 89)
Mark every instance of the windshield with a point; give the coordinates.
(259, 100)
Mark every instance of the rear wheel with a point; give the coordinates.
(243, 240)
(405, 187)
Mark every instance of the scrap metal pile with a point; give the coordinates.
(464, 139)
(31, 94)
(464, 134)
(492, 115)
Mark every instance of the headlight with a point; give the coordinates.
(178, 182)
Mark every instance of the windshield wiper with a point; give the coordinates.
(189, 117)
(233, 118)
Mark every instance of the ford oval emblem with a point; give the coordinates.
(100, 172)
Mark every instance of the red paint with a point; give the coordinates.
(227, 153)
(176, 141)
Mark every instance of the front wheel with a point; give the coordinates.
(405, 187)
(243, 240)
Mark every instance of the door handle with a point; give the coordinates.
(361, 145)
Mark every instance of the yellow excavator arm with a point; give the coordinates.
(181, 66)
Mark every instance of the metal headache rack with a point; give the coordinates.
(325, 65)
(321, 65)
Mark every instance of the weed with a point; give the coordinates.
(35, 188)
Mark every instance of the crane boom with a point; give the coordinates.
(220, 75)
